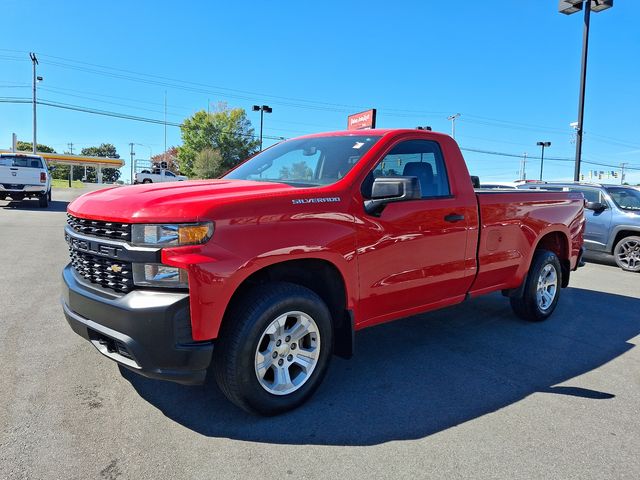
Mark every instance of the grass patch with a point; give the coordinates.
(60, 183)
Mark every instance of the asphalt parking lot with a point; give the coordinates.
(467, 392)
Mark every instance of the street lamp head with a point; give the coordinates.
(39, 79)
(572, 6)
(267, 109)
(600, 5)
(544, 144)
(256, 108)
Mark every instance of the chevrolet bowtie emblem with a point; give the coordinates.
(116, 268)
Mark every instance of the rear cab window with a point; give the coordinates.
(25, 162)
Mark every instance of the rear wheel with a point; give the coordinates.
(49, 194)
(627, 254)
(274, 348)
(542, 288)
(43, 200)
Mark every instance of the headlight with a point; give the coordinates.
(171, 235)
(158, 275)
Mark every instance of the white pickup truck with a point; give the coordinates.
(24, 176)
(158, 175)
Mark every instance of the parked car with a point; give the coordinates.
(613, 219)
(24, 176)
(503, 186)
(267, 272)
(158, 175)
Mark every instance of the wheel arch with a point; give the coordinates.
(619, 233)
(318, 275)
(557, 241)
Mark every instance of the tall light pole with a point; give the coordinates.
(453, 124)
(262, 109)
(36, 79)
(132, 153)
(543, 145)
(568, 7)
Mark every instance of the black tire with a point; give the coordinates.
(627, 253)
(43, 200)
(527, 306)
(235, 351)
(147, 180)
(49, 194)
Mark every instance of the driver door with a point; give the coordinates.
(414, 253)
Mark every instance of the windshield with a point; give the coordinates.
(21, 162)
(625, 198)
(306, 162)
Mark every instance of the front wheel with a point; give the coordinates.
(146, 180)
(542, 288)
(274, 348)
(627, 254)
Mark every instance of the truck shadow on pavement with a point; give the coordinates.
(32, 206)
(419, 376)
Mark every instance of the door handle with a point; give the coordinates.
(453, 217)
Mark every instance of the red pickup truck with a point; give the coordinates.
(264, 274)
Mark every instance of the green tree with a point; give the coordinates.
(104, 150)
(108, 174)
(28, 147)
(226, 130)
(208, 164)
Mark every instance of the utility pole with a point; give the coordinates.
(453, 124)
(70, 145)
(523, 167)
(622, 167)
(34, 61)
(132, 154)
(164, 155)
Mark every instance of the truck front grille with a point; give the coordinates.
(106, 272)
(97, 228)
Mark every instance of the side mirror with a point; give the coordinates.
(391, 189)
(475, 181)
(595, 206)
(52, 168)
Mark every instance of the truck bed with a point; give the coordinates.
(511, 222)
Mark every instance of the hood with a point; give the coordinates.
(170, 201)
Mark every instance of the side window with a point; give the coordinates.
(590, 194)
(414, 158)
(168, 173)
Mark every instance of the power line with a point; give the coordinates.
(555, 159)
(126, 116)
(174, 124)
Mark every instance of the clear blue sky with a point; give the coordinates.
(510, 68)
